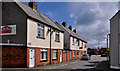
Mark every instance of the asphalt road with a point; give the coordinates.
(82, 64)
(74, 65)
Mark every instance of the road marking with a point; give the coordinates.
(62, 65)
(74, 62)
(58, 66)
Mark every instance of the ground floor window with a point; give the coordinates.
(55, 54)
(43, 54)
(73, 53)
(77, 53)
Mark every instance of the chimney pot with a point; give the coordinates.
(33, 4)
(74, 30)
(57, 22)
(64, 24)
(70, 27)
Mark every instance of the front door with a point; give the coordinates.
(32, 57)
(60, 55)
(70, 54)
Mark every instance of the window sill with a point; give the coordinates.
(41, 37)
(57, 41)
(43, 60)
(55, 59)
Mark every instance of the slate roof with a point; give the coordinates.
(36, 15)
(69, 31)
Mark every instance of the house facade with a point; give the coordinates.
(29, 38)
(73, 43)
(115, 41)
(32, 39)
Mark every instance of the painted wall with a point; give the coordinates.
(75, 46)
(12, 14)
(42, 43)
(114, 56)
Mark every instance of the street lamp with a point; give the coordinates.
(50, 30)
(107, 45)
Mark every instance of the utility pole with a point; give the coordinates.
(107, 45)
(50, 44)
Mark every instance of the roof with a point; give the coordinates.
(114, 15)
(70, 32)
(36, 15)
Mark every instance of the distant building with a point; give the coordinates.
(73, 43)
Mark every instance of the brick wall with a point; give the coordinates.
(13, 57)
(42, 63)
(75, 54)
(58, 60)
(27, 57)
(37, 58)
(63, 56)
(68, 56)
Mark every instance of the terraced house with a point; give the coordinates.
(32, 39)
(29, 36)
(74, 45)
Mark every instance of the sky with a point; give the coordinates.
(90, 19)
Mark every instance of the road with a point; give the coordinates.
(76, 64)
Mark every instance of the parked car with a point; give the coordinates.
(86, 57)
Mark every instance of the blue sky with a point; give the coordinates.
(91, 19)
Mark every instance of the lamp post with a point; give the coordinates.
(50, 41)
(107, 45)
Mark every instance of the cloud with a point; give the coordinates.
(93, 22)
(49, 13)
(72, 15)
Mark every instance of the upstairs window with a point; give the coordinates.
(40, 31)
(57, 36)
(73, 41)
(78, 43)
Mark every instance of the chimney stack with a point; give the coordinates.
(57, 22)
(70, 27)
(74, 30)
(64, 24)
(33, 4)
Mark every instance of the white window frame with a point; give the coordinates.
(78, 42)
(73, 40)
(73, 53)
(55, 52)
(77, 53)
(44, 52)
(57, 35)
(40, 27)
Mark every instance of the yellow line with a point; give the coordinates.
(62, 65)
(74, 62)
(58, 66)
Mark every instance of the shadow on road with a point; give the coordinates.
(90, 65)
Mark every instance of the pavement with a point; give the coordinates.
(74, 65)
